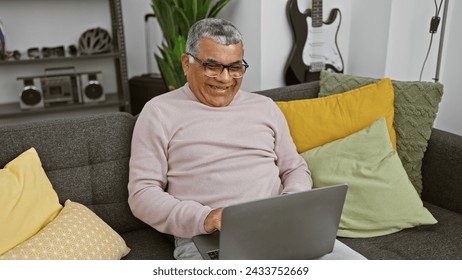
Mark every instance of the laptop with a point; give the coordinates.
(300, 225)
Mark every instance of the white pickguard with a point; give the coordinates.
(321, 46)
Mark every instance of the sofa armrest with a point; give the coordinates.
(442, 171)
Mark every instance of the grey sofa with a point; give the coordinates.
(86, 159)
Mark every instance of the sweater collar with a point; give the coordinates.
(187, 90)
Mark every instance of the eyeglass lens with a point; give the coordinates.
(212, 69)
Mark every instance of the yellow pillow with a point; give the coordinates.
(318, 121)
(28, 202)
(75, 234)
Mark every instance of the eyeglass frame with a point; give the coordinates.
(205, 64)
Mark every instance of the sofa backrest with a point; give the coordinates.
(293, 92)
(85, 158)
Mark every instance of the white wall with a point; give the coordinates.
(399, 49)
(377, 38)
(368, 37)
(272, 43)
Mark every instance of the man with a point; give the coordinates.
(209, 144)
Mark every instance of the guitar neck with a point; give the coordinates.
(316, 13)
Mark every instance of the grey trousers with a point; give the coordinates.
(186, 250)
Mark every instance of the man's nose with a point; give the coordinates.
(224, 75)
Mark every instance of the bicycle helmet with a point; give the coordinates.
(94, 41)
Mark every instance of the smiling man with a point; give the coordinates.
(209, 144)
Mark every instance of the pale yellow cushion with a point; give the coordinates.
(28, 201)
(75, 234)
(315, 122)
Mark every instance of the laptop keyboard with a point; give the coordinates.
(214, 254)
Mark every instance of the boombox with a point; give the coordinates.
(60, 89)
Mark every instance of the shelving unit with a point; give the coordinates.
(58, 59)
(13, 109)
(120, 98)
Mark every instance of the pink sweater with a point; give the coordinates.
(188, 158)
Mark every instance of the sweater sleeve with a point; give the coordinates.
(148, 199)
(293, 170)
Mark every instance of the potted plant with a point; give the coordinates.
(175, 17)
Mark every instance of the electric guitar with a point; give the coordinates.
(315, 43)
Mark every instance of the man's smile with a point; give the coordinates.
(220, 88)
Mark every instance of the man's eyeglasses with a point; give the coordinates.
(213, 69)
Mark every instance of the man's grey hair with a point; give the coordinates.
(219, 30)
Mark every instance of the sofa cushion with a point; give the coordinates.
(75, 234)
(428, 242)
(148, 244)
(416, 105)
(28, 201)
(317, 121)
(380, 199)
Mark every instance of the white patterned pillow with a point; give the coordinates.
(75, 234)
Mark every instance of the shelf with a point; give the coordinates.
(119, 98)
(13, 109)
(59, 59)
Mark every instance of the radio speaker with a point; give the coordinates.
(92, 90)
(30, 95)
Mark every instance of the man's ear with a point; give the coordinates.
(185, 63)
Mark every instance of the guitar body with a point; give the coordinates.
(295, 68)
(315, 44)
(321, 50)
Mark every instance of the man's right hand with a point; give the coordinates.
(213, 221)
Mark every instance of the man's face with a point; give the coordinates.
(218, 91)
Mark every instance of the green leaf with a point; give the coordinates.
(184, 23)
(204, 9)
(194, 10)
(217, 8)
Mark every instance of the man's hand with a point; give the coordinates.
(213, 221)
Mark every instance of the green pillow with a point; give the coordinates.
(380, 198)
(416, 105)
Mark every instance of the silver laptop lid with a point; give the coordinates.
(294, 226)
